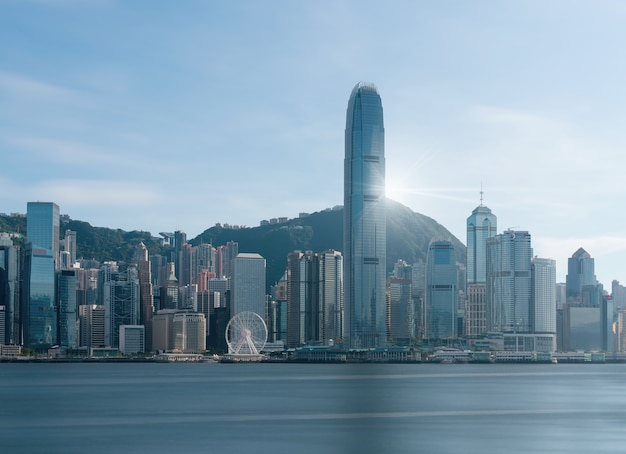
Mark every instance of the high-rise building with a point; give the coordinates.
(580, 272)
(364, 225)
(441, 291)
(10, 275)
(69, 246)
(248, 284)
(543, 304)
(68, 309)
(42, 226)
(132, 339)
(146, 297)
(509, 283)
(481, 225)
(314, 298)
(189, 329)
(120, 299)
(92, 323)
(41, 258)
(401, 309)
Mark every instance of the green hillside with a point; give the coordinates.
(408, 237)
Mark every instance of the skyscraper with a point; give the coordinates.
(481, 225)
(41, 256)
(314, 297)
(441, 291)
(364, 225)
(509, 282)
(543, 272)
(248, 284)
(580, 272)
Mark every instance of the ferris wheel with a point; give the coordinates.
(246, 334)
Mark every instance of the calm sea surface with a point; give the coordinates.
(317, 408)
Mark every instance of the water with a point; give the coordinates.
(317, 408)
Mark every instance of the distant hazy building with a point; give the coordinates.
(248, 284)
(441, 291)
(39, 312)
(508, 290)
(364, 226)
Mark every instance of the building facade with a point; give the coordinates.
(508, 290)
(248, 285)
(364, 220)
(441, 291)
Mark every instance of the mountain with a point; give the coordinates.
(408, 237)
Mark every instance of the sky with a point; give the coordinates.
(163, 116)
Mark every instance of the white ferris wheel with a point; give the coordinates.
(246, 334)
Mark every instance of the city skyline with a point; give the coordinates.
(113, 127)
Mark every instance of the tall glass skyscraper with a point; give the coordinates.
(39, 313)
(509, 282)
(481, 225)
(364, 225)
(441, 291)
(580, 273)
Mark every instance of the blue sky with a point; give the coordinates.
(160, 116)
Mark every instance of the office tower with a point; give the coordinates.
(146, 297)
(69, 246)
(180, 238)
(543, 278)
(314, 298)
(224, 258)
(185, 274)
(509, 283)
(189, 329)
(618, 292)
(202, 261)
(418, 293)
(580, 272)
(364, 224)
(87, 286)
(168, 294)
(10, 276)
(3, 319)
(158, 263)
(39, 314)
(132, 339)
(481, 225)
(92, 325)
(248, 284)
(68, 310)
(120, 298)
(42, 225)
(163, 330)
(401, 310)
(441, 291)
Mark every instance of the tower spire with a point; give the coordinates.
(481, 193)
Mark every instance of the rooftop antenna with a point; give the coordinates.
(481, 193)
